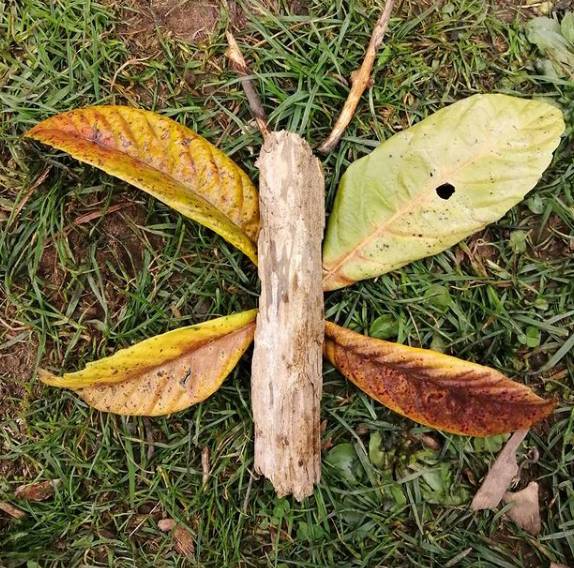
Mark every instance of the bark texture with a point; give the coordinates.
(286, 381)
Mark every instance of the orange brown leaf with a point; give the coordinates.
(166, 373)
(166, 160)
(37, 491)
(434, 389)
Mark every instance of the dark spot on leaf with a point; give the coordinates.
(185, 379)
(445, 190)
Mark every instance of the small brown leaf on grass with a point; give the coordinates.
(500, 475)
(430, 442)
(182, 539)
(37, 491)
(11, 510)
(554, 565)
(525, 510)
(166, 525)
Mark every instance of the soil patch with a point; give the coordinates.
(478, 250)
(192, 21)
(119, 247)
(552, 241)
(508, 10)
(17, 364)
(189, 21)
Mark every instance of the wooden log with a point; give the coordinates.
(286, 381)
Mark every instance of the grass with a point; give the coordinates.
(73, 290)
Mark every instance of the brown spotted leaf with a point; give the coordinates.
(183, 542)
(166, 373)
(165, 159)
(434, 389)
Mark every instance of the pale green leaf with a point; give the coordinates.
(376, 455)
(384, 327)
(344, 459)
(567, 27)
(430, 186)
(518, 241)
(548, 36)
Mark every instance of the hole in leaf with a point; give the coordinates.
(445, 190)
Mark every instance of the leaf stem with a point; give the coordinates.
(240, 66)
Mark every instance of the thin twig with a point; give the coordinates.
(205, 465)
(360, 80)
(240, 66)
(37, 183)
(129, 62)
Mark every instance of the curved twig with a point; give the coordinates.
(360, 80)
(240, 66)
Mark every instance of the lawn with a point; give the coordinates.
(89, 265)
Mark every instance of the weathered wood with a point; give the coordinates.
(286, 381)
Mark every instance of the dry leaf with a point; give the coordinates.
(36, 491)
(165, 159)
(166, 373)
(554, 565)
(456, 559)
(182, 539)
(525, 510)
(11, 510)
(500, 475)
(434, 389)
(430, 442)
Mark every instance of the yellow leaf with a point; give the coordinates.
(434, 389)
(166, 160)
(166, 373)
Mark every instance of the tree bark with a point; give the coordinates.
(286, 382)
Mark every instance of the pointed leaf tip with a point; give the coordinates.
(166, 160)
(166, 373)
(437, 390)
